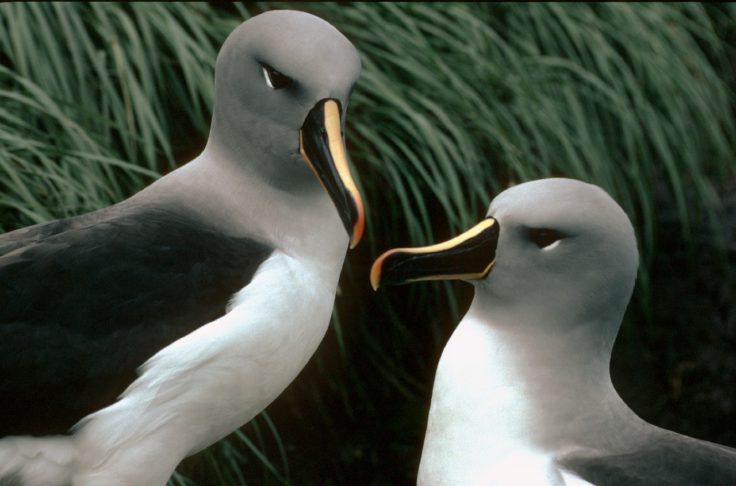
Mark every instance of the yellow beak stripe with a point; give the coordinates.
(439, 247)
(336, 147)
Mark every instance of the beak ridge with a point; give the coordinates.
(470, 255)
(322, 146)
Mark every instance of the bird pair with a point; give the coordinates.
(136, 335)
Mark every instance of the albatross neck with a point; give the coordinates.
(527, 381)
(234, 199)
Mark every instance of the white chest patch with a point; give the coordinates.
(208, 383)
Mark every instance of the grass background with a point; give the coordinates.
(456, 102)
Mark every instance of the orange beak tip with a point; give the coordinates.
(376, 270)
(375, 280)
(358, 227)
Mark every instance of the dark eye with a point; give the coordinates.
(543, 237)
(275, 79)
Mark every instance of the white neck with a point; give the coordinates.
(504, 386)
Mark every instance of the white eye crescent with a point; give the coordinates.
(551, 246)
(275, 79)
(544, 238)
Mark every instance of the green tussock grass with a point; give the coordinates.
(456, 102)
(93, 98)
(496, 94)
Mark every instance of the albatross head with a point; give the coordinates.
(282, 83)
(551, 247)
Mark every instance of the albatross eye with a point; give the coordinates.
(543, 237)
(275, 79)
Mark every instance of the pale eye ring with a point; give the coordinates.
(275, 79)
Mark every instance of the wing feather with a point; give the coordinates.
(85, 301)
(665, 458)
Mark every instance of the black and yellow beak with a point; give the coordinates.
(468, 256)
(322, 146)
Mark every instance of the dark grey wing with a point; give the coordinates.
(84, 302)
(667, 459)
(19, 238)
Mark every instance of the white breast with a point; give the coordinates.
(205, 385)
(477, 418)
(483, 429)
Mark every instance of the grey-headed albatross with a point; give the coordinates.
(522, 393)
(136, 335)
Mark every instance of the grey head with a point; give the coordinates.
(565, 248)
(279, 79)
(551, 247)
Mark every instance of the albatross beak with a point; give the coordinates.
(322, 146)
(468, 256)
